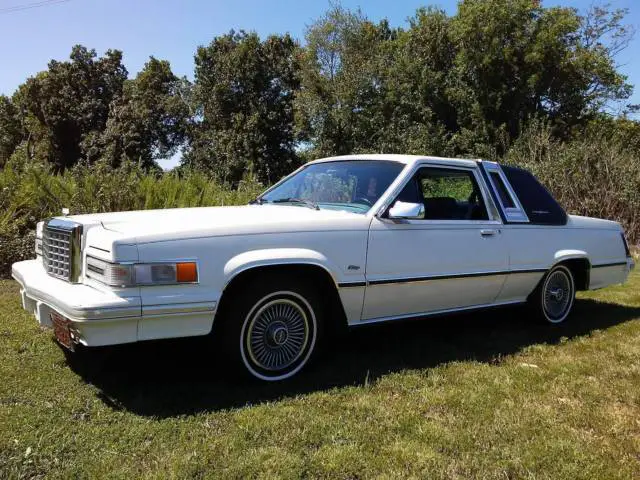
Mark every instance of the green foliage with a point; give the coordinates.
(149, 120)
(66, 107)
(517, 60)
(462, 84)
(595, 174)
(457, 187)
(340, 82)
(31, 192)
(243, 98)
(85, 110)
(10, 129)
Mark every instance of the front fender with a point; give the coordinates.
(277, 256)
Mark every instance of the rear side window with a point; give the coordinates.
(540, 206)
(505, 198)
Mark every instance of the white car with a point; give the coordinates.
(355, 239)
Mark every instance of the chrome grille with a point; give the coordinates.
(61, 249)
(56, 252)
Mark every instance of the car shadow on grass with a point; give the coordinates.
(177, 377)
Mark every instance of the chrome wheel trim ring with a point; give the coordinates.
(256, 317)
(557, 294)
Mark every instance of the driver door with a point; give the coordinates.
(454, 258)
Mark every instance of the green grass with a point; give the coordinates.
(485, 395)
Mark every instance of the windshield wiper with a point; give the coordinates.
(308, 203)
(257, 201)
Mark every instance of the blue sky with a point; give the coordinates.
(173, 29)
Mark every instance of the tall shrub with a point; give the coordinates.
(595, 174)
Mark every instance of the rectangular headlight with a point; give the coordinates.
(114, 274)
(138, 274)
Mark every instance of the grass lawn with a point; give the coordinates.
(486, 395)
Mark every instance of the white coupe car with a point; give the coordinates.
(355, 239)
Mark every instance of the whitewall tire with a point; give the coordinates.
(271, 328)
(554, 297)
(278, 336)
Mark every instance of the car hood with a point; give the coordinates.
(173, 224)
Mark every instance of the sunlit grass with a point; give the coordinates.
(484, 395)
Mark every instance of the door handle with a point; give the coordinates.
(487, 233)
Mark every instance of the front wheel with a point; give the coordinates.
(271, 328)
(554, 297)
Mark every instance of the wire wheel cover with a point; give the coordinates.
(277, 335)
(557, 294)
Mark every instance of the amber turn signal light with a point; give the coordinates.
(186, 272)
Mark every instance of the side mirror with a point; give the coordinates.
(407, 211)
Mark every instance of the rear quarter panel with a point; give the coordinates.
(534, 249)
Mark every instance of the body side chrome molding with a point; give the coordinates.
(614, 264)
(352, 284)
(438, 277)
(435, 313)
(178, 308)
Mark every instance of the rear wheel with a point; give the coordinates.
(271, 327)
(554, 297)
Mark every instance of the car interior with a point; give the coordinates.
(447, 194)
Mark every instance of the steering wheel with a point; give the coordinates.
(364, 200)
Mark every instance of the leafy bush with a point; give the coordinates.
(31, 192)
(14, 248)
(596, 174)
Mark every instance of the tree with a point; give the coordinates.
(465, 84)
(149, 120)
(67, 106)
(243, 95)
(516, 60)
(418, 64)
(340, 105)
(10, 129)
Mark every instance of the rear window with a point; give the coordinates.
(536, 200)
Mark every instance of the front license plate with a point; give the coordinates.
(61, 330)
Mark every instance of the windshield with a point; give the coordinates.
(353, 185)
